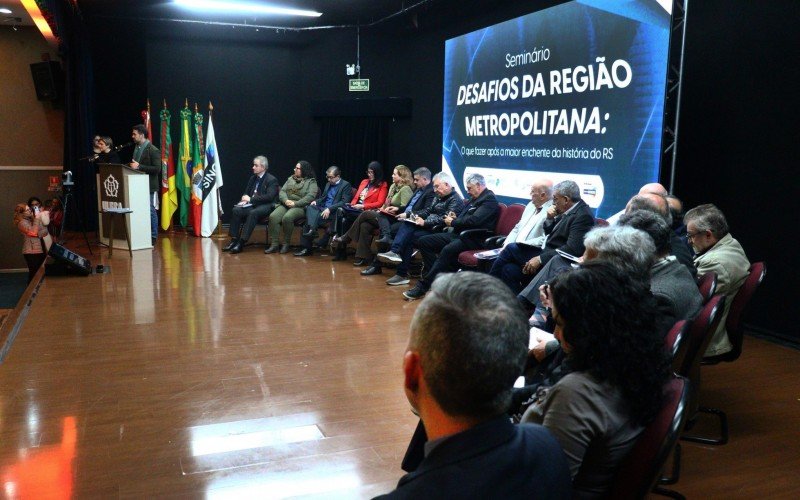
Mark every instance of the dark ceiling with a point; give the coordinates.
(334, 12)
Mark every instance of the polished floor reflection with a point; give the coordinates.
(189, 373)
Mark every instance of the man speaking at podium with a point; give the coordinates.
(147, 158)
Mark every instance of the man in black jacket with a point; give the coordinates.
(336, 194)
(256, 203)
(147, 158)
(468, 344)
(425, 219)
(421, 200)
(568, 221)
(480, 212)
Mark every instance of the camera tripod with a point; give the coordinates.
(67, 200)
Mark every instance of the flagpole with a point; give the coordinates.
(218, 235)
(171, 227)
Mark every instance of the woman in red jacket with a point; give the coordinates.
(371, 194)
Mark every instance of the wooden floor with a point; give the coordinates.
(189, 373)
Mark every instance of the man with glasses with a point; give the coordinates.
(568, 220)
(716, 250)
(256, 203)
(337, 192)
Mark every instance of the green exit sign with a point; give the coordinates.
(359, 85)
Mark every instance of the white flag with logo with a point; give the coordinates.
(212, 181)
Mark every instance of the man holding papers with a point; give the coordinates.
(257, 202)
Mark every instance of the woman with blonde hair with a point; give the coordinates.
(33, 230)
(400, 193)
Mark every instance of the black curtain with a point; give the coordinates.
(75, 52)
(352, 142)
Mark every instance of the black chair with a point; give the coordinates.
(699, 335)
(641, 469)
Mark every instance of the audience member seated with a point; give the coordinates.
(627, 249)
(421, 199)
(676, 210)
(256, 203)
(425, 221)
(297, 192)
(467, 346)
(336, 193)
(362, 229)
(568, 220)
(371, 194)
(659, 205)
(649, 188)
(530, 228)
(716, 250)
(669, 280)
(440, 251)
(619, 364)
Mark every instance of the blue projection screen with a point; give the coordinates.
(575, 92)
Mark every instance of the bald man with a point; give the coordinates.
(649, 188)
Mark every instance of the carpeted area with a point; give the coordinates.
(12, 285)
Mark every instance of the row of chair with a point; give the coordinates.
(642, 471)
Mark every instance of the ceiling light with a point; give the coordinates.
(250, 8)
(5, 11)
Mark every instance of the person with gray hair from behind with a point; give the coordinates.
(467, 346)
(716, 250)
(440, 251)
(670, 282)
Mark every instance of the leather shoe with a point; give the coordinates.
(371, 271)
(384, 240)
(307, 231)
(284, 248)
(237, 248)
(306, 252)
(341, 254)
(230, 245)
(272, 248)
(360, 262)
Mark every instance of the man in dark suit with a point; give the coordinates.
(440, 251)
(256, 203)
(568, 221)
(147, 158)
(336, 194)
(467, 346)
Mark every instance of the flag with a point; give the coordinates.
(146, 121)
(198, 159)
(169, 193)
(184, 170)
(212, 181)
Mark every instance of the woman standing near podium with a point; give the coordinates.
(33, 230)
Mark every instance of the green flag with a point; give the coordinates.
(183, 179)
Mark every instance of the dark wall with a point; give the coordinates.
(737, 131)
(738, 137)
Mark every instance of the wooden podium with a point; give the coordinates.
(119, 186)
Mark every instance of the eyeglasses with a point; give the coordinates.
(689, 236)
(331, 177)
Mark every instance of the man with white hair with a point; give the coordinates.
(649, 188)
(440, 251)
